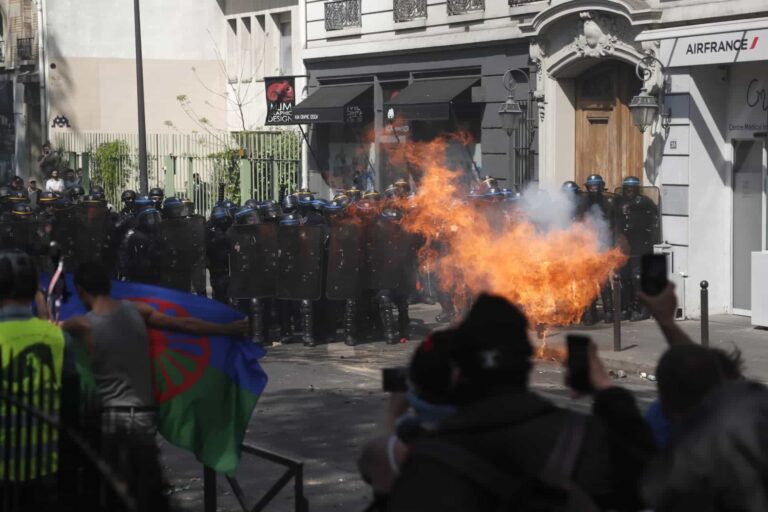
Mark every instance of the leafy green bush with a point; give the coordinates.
(112, 166)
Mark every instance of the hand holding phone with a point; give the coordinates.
(578, 363)
(653, 279)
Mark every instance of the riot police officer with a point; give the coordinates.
(76, 193)
(638, 224)
(217, 249)
(600, 204)
(156, 195)
(142, 249)
(128, 197)
(97, 191)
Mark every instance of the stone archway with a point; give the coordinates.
(567, 40)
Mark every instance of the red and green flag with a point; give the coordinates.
(206, 387)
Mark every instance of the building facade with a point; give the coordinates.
(703, 59)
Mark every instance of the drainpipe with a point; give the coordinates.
(42, 23)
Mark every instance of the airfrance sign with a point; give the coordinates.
(744, 46)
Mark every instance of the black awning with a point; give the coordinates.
(334, 104)
(428, 100)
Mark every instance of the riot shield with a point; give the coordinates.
(253, 261)
(345, 261)
(96, 219)
(21, 235)
(385, 255)
(70, 232)
(300, 262)
(638, 218)
(181, 240)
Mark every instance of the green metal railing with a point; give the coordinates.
(256, 165)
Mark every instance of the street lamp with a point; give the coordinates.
(143, 177)
(646, 107)
(511, 113)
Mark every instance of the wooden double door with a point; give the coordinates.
(607, 141)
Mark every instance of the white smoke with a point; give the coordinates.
(550, 211)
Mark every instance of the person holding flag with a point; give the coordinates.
(116, 335)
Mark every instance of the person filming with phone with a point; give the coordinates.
(507, 448)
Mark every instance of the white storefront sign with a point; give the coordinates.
(747, 101)
(726, 48)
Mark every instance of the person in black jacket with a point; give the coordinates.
(501, 424)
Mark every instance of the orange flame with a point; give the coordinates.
(552, 275)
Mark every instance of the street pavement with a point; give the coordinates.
(323, 403)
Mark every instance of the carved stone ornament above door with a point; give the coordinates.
(597, 37)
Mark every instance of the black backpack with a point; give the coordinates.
(553, 490)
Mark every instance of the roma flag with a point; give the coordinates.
(206, 387)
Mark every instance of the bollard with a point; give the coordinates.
(705, 313)
(616, 313)
(209, 489)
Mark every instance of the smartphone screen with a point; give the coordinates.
(394, 380)
(653, 279)
(578, 363)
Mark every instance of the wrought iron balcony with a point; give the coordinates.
(516, 3)
(24, 48)
(465, 6)
(407, 10)
(342, 14)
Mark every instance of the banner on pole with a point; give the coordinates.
(281, 98)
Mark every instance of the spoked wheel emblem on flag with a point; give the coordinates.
(178, 360)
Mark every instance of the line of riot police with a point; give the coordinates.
(633, 224)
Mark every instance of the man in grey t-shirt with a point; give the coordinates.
(115, 336)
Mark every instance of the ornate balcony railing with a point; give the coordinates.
(516, 3)
(342, 14)
(407, 10)
(465, 6)
(24, 48)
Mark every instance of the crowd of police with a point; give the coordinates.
(304, 265)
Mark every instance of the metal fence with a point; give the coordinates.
(191, 166)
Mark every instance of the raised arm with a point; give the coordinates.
(662, 307)
(79, 328)
(189, 325)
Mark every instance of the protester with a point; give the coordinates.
(430, 399)
(33, 193)
(115, 335)
(43, 349)
(55, 183)
(506, 445)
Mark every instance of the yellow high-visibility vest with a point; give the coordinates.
(32, 356)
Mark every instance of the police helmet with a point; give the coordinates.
(156, 192)
(372, 195)
(142, 203)
(304, 196)
(319, 204)
(289, 219)
(354, 194)
(220, 215)
(570, 186)
(595, 183)
(97, 190)
(18, 275)
(252, 204)
(290, 203)
(403, 186)
(128, 196)
(391, 214)
(21, 211)
(62, 203)
(631, 181)
(148, 218)
(47, 197)
(335, 207)
(247, 215)
(93, 200)
(173, 208)
(17, 196)
(76, 191)
(189, 206)
(391, 192)
(269, 210)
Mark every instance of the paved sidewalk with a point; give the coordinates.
(643, 343)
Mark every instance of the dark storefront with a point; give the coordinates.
(360, 107)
